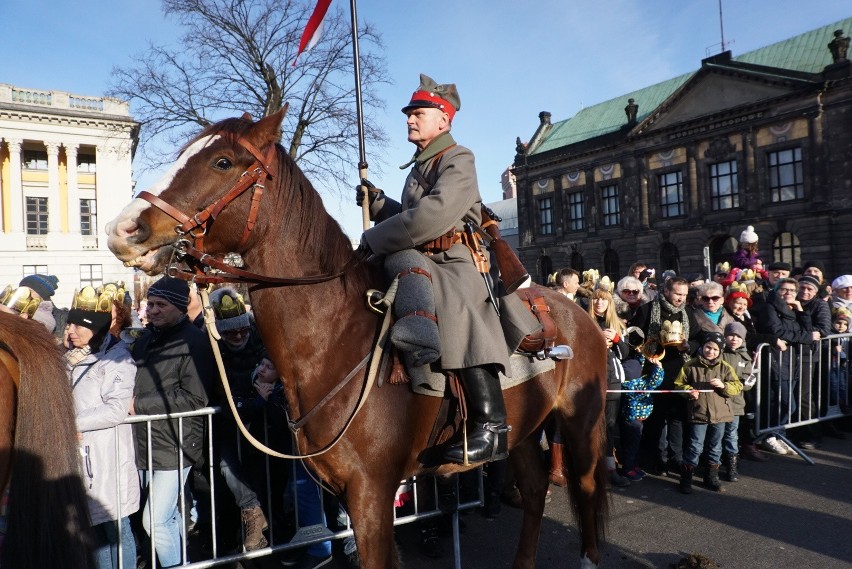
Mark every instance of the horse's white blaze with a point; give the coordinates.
(132, 210)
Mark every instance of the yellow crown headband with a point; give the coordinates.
(228, 307)
(20, 299)
(99, 300)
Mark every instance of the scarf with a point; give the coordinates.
(659, 303)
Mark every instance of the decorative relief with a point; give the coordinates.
(573, 179)
(543, 186)
(719, 149)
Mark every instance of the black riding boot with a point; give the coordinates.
(486, 422)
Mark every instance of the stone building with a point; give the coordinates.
(663, 173)
(65, 170)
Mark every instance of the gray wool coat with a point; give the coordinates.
(470, 330)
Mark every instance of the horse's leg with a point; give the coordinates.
(371, 511)
(531, 478)
(583, 433)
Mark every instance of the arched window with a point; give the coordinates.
(785, 248)
(722, 250)
(577, 262)
(669, 257)
(611, 266)
(545, 267)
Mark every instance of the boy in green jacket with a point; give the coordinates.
(709, 384)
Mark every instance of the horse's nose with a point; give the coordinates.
(135, 229)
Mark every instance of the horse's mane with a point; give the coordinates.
(300, 208)
(48, 512)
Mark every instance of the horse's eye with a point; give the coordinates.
(223, 164)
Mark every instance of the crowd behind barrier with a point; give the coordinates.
(212, 530)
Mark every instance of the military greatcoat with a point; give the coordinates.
(470, 329)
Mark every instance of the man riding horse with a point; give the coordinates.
(427, 241)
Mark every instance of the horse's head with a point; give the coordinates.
(192, 195)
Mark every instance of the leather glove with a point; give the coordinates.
(372, 191)
(363, 253)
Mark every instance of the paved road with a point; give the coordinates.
(782, 513)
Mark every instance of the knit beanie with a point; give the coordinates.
(819, 265)
(809, 280)
(714, 337)
(173, 290)
(43, 285)
(748, 235)
(735, 329)
(94, 321)
(632, 369)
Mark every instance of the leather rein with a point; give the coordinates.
(189, 247)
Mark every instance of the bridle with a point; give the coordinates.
(189, 247)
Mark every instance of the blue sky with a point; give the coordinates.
(509, 59)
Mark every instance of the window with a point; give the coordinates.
(611, 264)
(88, 217)
(609, 206)
(34, 270)
(669, 257)
(671, 194)
(724, 189)
(91, 275)
(786, 180)
(36, 216)
(86, 163)
(545, 216)
(35, 159)
(786, 249)
(545, 267)
(576, 216)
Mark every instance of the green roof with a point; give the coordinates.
(807, 52)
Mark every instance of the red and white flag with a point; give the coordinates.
(313, 30)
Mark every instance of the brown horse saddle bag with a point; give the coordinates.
(546, 337)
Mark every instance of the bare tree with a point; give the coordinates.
(236, 56)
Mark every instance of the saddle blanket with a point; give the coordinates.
(427, 382)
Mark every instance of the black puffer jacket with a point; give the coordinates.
(174, 369)
(776, 318)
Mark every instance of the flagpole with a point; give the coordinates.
(362, 153)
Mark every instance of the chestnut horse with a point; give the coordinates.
(314, 321)
(47, 515)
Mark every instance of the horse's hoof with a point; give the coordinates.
(557, 478)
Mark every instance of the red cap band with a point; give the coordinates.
(428, 99)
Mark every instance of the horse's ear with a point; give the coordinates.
(268, 129)
(247, 117)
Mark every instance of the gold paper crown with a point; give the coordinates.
(746, 275)
(737, 287)
(229, 307)
(604, 284)
(551, 279)
(99, 300)
(20, 299)
(724, 267)
(671, 333)
(591, 276)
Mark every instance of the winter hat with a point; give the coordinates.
(44, 314)
(819, 265)
(174, 290)
(779, 266)
(748, 235)
(809, 280)
(230, 310)
(43, 285)
(842, 314)
(90, 310)
(632, 369)
(735, 329)
(842, 281)
(94, 321)
(714, 337)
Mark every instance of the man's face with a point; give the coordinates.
(425, 124)
(161, 313)
(807, 292)
(776, 275)
(676, 295)
(814, 272)
(571, 283)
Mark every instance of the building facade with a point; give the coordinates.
(666, 173)
(65, 170)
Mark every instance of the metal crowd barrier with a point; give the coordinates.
(801, 386)
(426, 501)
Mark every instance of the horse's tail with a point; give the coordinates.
(594, 516)
(47, 520)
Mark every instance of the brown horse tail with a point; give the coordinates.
(48, 514)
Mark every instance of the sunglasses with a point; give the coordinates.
(713, 298)
(625, 291)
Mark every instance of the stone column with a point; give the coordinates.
(16, 190)
(53, 210)
(73, 190)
